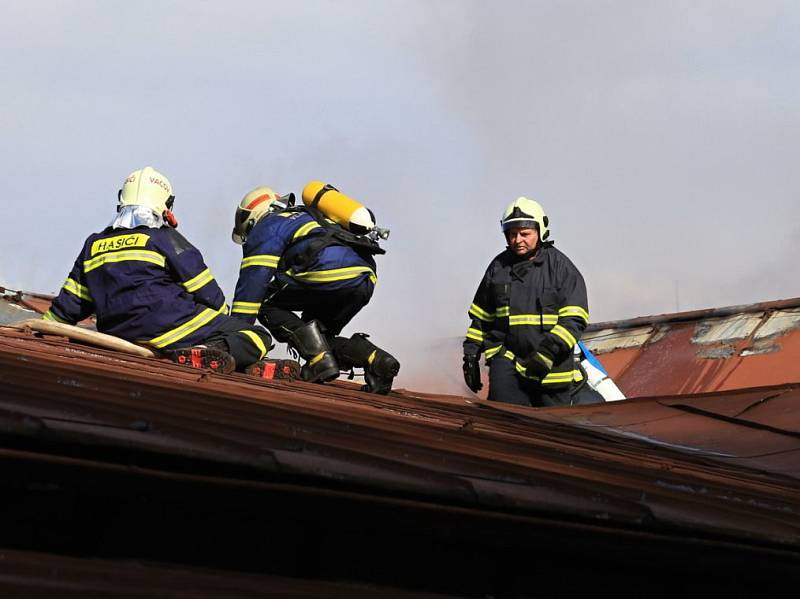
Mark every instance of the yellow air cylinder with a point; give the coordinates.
(341, 209)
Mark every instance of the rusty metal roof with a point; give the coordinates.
(19, 305)
(323, 482)
(721, 349)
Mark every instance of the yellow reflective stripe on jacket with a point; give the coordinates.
(124, 256)
(481, 314)
(246, 307)
(503, 312)
(557, 378)
(257, 341)
(532, 319)
(574, 311)
(187, 328)
(475, 335)
(554, 378)
(492, 351)
(261, 260)
(201, 280)
(77, 289)
(336, 274)
(50, 315)
(547, 361)
(564, 335)
(305, 230)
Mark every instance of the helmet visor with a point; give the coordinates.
(519, 223)
(240, 226)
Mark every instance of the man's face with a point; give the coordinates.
(522, 240)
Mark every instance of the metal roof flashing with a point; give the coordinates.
(706, 350)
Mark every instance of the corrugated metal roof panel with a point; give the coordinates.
(780, 323)
(731, 328)
(709, 350)
(441, 481)
(606, 340)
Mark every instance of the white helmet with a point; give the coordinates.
(147, 187)
(254, 206)
(526, 213)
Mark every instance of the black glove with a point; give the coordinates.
(472, 373)
(538, 364)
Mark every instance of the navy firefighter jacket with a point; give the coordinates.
(145, 285)
(523, 306)
(282, 244)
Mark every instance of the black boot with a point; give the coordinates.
(320, 364)
(380, 367)
(202, 356)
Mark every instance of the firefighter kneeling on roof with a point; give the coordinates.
(297, 259)
(529, 311)
(147, 284)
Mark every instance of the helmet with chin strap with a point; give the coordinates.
(525, 213)
(253, 207)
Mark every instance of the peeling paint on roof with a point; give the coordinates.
(606, 340)
(663, 482)
(720, 349)
(731, 328)
(780, 323)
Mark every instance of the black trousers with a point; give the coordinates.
(332, 308)
(247, 343)
(506, 386)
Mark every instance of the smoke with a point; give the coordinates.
(660, 138)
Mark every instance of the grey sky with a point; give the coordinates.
(661, 137)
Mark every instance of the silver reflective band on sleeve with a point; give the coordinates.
(492, 351)
(201, 280)
(78, 290)
(481, 314)
(475, 335)
(261, 260)
(564, 335)
(574, 311)
(49, 315)
(246, 307)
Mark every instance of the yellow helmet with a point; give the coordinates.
(147, 187)
(253, 207)
(523, 212)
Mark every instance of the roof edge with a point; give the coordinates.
(639, 321)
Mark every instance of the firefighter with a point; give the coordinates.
(147, 284)
(528, 313)
(294, 261)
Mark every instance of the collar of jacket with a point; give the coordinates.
(537, 259)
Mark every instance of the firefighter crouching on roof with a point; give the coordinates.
(529, 311)
(291, 263)
(147, 284)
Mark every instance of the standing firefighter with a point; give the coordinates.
(147, 284)
(529, 311)
(296, 259)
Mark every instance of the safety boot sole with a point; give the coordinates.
(274, 370)
(202, 357)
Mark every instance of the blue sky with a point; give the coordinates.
(661, 137)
